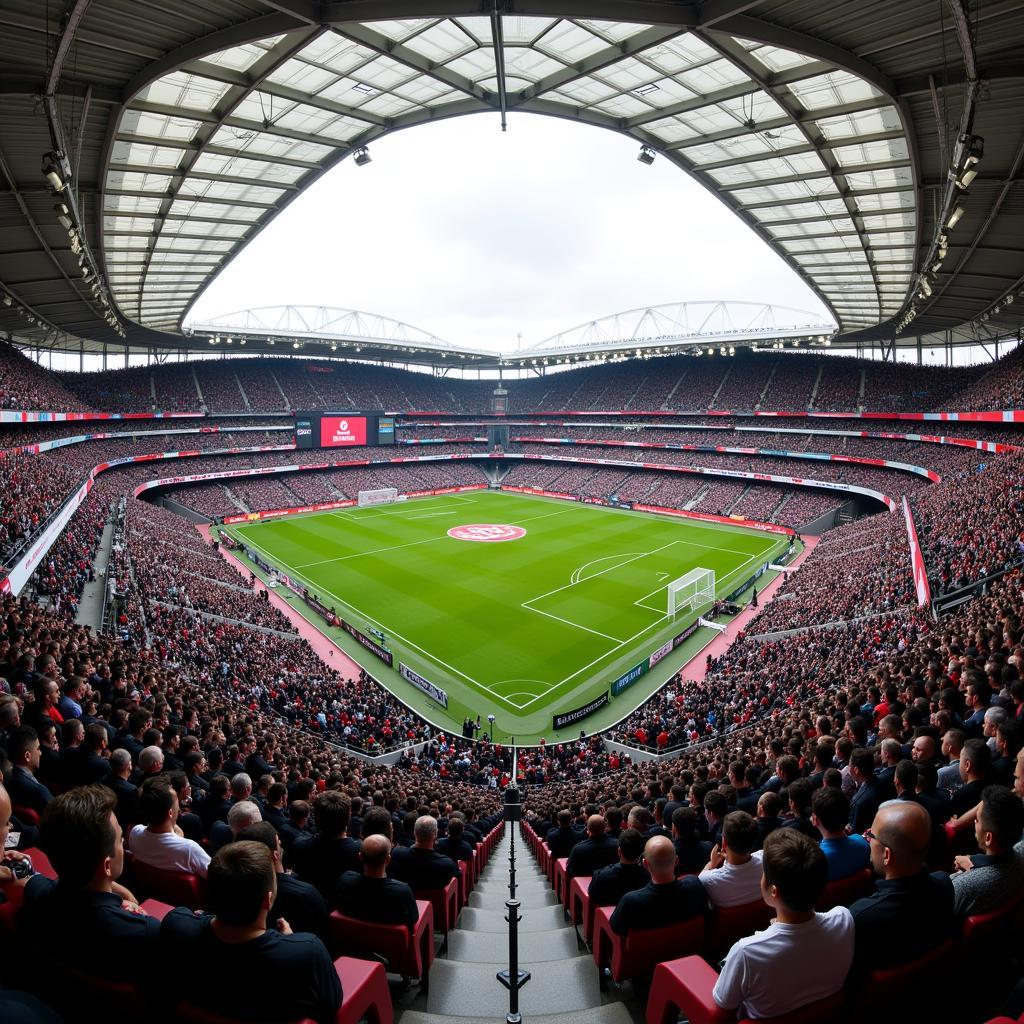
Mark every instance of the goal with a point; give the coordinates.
(381, 496)
(691, 591)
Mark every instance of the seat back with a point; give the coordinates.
(889, 986)
(844, 891)
(987, 930)
(444, 902)
(727, 924)
(74, 991)
(25, 815)
(179, 888)
(644, 948)
(393, 942)
(189, 1013)
(823, 1011)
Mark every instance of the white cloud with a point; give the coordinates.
(475, 235)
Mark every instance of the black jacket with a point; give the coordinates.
(608, 885)
(422, 869)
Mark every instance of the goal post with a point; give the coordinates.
(381, 496)
(689, 592)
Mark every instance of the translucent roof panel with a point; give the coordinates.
(813, 156)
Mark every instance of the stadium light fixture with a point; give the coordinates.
(362, 157)
(64, 217)
(7, 300)
(975, 151)
(646, 155)
(954, 217)
(964, 181)
(52, 172)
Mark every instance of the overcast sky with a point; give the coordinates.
(476, 236)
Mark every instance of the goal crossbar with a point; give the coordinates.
(691, 591)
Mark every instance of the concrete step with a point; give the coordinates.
(493, 901)
(492, 947)
(496, 886)
(471, 990)
(493, 920)
(613, 1013)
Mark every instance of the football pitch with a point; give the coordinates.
(516, 626)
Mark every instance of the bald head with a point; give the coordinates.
(375, 854)
(902, 832)
(660, 855)
(595, 826)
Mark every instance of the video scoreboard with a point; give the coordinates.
(343, 429)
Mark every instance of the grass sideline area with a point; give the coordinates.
(522, 628)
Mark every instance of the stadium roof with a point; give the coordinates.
(181, 129)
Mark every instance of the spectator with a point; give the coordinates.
(372, 896)
(986, 880)
(608, 885)
(949, 775)
(420, 866)
(845, 855)
(127, 793)
(299, 903)
(910, 911)
(692, 851)
(25, 790)
(732, 875)
(598, 850)
(157, 841)
(975, 761)
(868, 796)
(232, 942)
(323, 858)
(802, 956)
(86, 919)
(665, 899)
(241, 816)
(562, 839)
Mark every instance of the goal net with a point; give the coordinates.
(381, 496)
(691, 591)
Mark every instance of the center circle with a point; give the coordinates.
(487, 533)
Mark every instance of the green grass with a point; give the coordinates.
(521, 629)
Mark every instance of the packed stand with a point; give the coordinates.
(24, 384)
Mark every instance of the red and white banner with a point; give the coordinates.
(917, 566)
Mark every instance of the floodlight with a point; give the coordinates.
(362, 156)
(52, 172)
(964, 181)
(7, 300)
(975, 151)
(63, 217)
(646, 155)
(954, 217)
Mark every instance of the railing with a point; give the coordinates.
(513, 978)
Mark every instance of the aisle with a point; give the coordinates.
(563, 987)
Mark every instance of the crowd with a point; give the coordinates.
(24, 384)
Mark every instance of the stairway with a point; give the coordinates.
(563, 986)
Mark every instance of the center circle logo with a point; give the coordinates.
(487, 533)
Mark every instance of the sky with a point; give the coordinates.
(478, 236)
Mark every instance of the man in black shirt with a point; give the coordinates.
(294, 973)
(420, 866)
(298, 902)
(665, 899)
(594, 852)
(562, 839)
(453, 845)
(608, 885)
(86, 919)
(975, 762)
(692, 851)
(323, 858)
(910, 911)
(372, 896)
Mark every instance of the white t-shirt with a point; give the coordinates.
(732, 885)
(168, 851)
(787, 965)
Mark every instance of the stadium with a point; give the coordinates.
(667, 667)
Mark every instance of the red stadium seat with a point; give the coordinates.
(579, 903)
(843, 891)
(408, 952)
(983, 933)
(727, 924)
(640, 950)
(560, 881)
(684, 987)
(365, 997)
(895, 986)
(445, 904)
(25, 815)
(179, 888)
(466, 867)
(73, 990)
(41, 863)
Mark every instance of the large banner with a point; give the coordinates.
(424, 684)
(577, 714)
(917, 566)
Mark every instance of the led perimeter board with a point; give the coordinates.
(343, 429)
